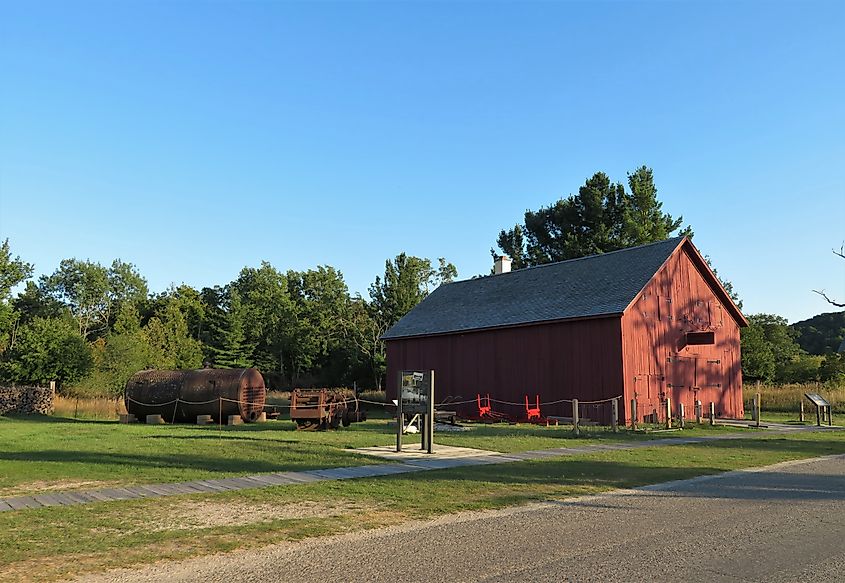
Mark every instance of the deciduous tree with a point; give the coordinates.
(13, 271)
(49, 349)
(93, 293)
(768, 347)
(269, 316)
(406, 282)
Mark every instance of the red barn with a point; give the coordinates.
(644, 323)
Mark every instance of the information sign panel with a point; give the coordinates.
(416, 392)
(817, 399)
(416, 399)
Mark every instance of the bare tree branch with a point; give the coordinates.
(840, 253)
(830, 301)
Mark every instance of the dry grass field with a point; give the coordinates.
(786, 398)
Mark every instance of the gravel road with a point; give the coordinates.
(780, 523)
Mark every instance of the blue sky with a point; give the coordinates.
(195, 138)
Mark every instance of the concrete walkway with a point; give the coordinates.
(413, 461)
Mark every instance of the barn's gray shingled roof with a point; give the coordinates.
(589, 286)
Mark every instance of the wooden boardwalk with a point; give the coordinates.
(413, 463)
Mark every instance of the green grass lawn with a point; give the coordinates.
(63, 541)
(43, 453)
(35, 452)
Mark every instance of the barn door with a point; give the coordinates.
(683, 378)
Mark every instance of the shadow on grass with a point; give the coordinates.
(572, 472)
(292, 456)
(283, 426)
(37, 418)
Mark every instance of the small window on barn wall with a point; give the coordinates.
(697, 338)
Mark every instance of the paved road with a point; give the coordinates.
(781, 523)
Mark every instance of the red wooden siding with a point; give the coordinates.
(657, 361)
(580, 359)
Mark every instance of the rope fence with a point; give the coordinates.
(582, 411)
(446, 403)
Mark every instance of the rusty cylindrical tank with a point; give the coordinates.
(181, 395)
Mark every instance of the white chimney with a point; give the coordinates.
(502, 265)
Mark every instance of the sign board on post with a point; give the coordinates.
(817, 399)
(820, 403)
(416, 397)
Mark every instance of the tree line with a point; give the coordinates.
(775, 352)
(90, 326)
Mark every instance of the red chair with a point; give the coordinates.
(533, 413)
(483, 410)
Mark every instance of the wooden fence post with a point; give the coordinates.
(634, 414)
(668, 412)
(400, 416)
(801, 411)
(757, 408)
(698, 411)
(712, 413)
(575, 417)
(681, 415)
(614, 414)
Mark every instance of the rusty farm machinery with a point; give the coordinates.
(321, 409)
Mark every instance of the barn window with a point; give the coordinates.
(701, 338)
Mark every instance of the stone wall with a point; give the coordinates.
(26, 400)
